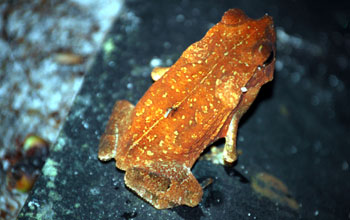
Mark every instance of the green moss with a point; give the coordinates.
(45, 212)
(50, 184)
(55, 196)
(108, 46)
(49, 168)
(61, 142)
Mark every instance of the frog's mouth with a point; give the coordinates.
(270, 58)
(264, 71)
(268, 67)
(266, 50)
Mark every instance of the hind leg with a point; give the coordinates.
(118, 123)
(165, 185)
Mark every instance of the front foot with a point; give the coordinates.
(230, 152)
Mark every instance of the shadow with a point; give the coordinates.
(189, 213)
(129, 215)
(234, 173)
(266, 92)
(214, 198)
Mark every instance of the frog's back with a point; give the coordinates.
(198, 100)
(186, 109)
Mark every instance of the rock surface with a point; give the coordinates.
(297, 130)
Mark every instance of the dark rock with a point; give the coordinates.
(296, 130)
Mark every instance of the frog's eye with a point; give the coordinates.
(269, 59)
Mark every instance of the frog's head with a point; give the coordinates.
(264, 50)
(256, 42)
(250, 50)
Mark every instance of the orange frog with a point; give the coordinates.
(193, 103)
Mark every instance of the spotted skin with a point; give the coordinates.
(192, 104)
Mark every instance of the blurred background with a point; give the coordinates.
(45, 49)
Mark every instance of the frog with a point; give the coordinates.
(193, 103)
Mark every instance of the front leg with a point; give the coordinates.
(230, 152)
(158, 72)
